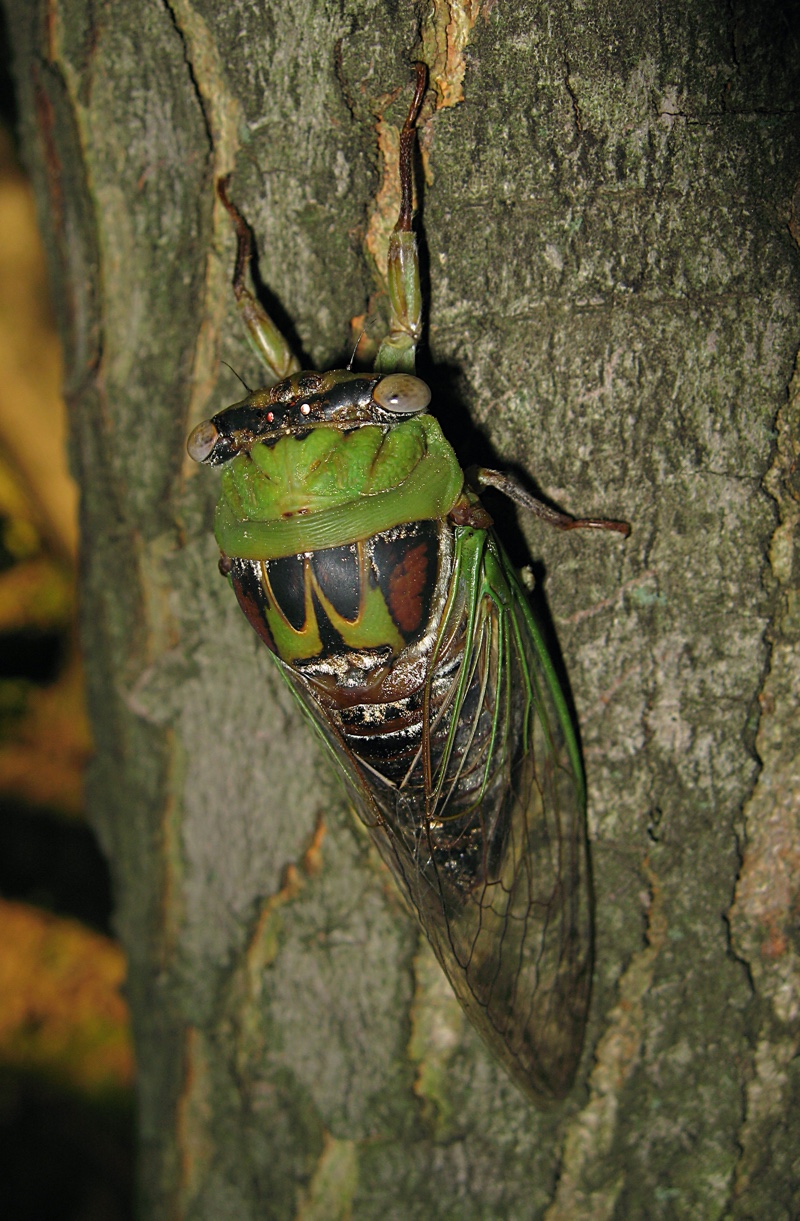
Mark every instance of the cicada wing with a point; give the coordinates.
(394, 820)
(506, 843)
(485, 834)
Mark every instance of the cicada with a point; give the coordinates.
(365, 561)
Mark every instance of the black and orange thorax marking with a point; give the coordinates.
(375, 593)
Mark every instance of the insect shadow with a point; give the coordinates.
(274, 306)
(474, 448)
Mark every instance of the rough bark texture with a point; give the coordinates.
(615, 284)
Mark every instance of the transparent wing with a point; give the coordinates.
(484, 825)
(500, 876)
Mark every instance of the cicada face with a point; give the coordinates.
(297, 404)
(324, 459)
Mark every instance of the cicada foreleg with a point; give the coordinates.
(265, 339)
(481, 477)
(397, 351)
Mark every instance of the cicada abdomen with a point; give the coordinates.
(371, 571)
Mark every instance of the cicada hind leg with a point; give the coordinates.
(482, 477)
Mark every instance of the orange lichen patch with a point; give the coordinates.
(264, 944)
(764, 914)
(331, 1191)
(312, 857)
(262, 951)
(61, 1012)
(445, 35)
(387, 201)
(776, 944)
(195, 1146)
(264, 947)
(172, 906)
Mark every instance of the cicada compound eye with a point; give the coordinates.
(402, 394)
(202, 440)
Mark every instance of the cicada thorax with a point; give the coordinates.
(374, 595)
(358, 625)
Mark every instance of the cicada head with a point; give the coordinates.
(337, 400)
(324, 459)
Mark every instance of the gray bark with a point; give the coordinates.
(614, 277)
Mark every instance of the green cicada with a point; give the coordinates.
(368, 566)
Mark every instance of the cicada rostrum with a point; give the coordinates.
(366, 563)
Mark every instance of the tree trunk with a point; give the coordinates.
(614, 275)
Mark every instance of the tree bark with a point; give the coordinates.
(612, 248)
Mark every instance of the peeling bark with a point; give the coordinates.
(615, 284)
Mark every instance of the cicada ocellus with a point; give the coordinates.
(367, 564)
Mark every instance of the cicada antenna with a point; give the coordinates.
(235, 374)
(361, 335)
